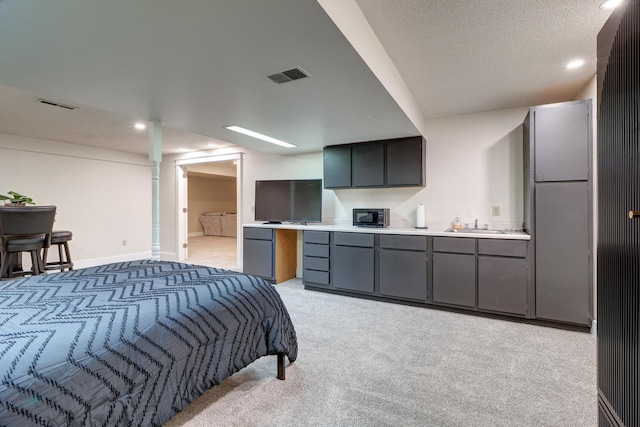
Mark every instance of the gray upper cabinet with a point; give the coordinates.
(367, 162)
(337, 166)
(404, 162)
(387, 163)
(562, 138)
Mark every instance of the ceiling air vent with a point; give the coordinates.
(57, 104)
(288, 75)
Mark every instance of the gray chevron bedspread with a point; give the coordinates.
(130, 343)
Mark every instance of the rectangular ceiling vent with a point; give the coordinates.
(57, 104)
(288, 75)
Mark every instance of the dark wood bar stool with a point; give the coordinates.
(61, 239)
(24, 229)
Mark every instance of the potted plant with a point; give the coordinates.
(16, 199)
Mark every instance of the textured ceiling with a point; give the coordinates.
(200, 65)
(462, 56)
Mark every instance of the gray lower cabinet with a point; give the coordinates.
(257, 252)
(502, 284)
(454, 279)
(454, 271)
(316, 258)
(353, 262)
(402, 267)
(503, 276)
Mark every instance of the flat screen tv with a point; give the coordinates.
(290, 200)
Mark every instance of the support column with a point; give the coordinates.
(155, 157)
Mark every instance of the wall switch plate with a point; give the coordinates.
(253, 208)
(124, 243)
(495, 210)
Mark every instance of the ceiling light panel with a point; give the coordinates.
(260, 136)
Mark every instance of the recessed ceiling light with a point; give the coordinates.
(182, 149)
(576, 63)
(211, 144)
(260, 136)
(610, 4)
(140, 126)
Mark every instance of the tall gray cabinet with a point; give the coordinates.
(558, 189)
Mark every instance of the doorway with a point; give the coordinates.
(209, 194)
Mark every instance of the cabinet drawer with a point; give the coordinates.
(316, 237)
(364, 240)
(313, 249)
(409, 243)
(462, 245)
(314, 276)
(313, 263)
(258, 233)
(512, 248)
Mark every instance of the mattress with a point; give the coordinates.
(130, 343)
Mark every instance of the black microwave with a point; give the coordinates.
(371, 217)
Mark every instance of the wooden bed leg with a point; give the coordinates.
(281, 366)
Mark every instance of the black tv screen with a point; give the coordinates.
(291, 200)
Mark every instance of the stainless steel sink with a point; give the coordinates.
(474, 230)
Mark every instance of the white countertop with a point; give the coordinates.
(509, 235)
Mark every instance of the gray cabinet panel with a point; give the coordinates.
(393, 241)
(257, 257)
(353, 268)
(404, 162)
(454, 279)
(368, 165)
(316, 277)
(454, 244)
(403, 274)
(502, 284)
(562, 252)
(562, 141)
(312, 249)
(316, 237)
(353, 239)
(314, 263)
(514, 248)
(337, 166)
(258, 233)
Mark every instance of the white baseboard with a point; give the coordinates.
(169, 256)
(108, 260)
(196, 234)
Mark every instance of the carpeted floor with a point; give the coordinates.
(213, 251)
(368, 363)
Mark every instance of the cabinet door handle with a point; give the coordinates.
(634, 214)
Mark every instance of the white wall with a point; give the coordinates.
(102, 196)
(473, 162)
(256, 165)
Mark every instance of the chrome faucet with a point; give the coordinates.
(476, 224)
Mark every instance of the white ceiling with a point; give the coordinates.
(200, 65)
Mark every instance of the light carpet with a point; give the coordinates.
(213, 251)
(369, 363)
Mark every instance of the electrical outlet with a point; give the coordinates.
(495, 210)
(124, 243)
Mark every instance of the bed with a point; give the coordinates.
(130, 343)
